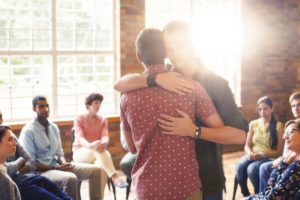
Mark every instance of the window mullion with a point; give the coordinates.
(54, 60)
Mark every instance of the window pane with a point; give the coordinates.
(85, 25)
(23, 78)
(81, 75)
(26, 55)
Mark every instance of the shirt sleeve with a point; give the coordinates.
(124, 123)
(28, 161)
(27, 141)
(12, 167)
(60, 151)
(204, 104)
(104, 134)
(79, 132)
(226, 106)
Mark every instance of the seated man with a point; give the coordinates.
(31, 186)
(41, 139)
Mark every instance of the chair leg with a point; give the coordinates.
(234, 188)
(128, 188)
(79, 187)
(114, 189)
(108, 183)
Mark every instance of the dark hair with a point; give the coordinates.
(176, 26)
(272, 127)
(295, 95)
(150, 46)
(93, 97)
(36, 99)
(3, 130)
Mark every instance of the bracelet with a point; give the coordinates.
(197, 132)
(151, 80)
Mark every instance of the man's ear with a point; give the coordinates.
(33, 108)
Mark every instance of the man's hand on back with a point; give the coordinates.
(181, 126)
(174, 82)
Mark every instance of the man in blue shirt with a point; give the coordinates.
(41, 139)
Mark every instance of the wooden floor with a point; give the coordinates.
(229, 161)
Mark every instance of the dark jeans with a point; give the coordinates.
(249, 168)
(265, 171)
(215, 197)
(127, 163)
(38, 187)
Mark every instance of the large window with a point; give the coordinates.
(216, 29)
(63, 49)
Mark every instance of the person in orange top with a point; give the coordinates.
(91, 139)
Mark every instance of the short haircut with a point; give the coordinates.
(177, 26)
(150, 46)
(3, 130)
(93, 97)
(36, 99)
(295, 95)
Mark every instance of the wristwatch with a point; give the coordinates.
(197, 132)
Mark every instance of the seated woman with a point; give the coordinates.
(264, 142)
(91, 139)
(31, 186)
(8, 189)
(284, 182)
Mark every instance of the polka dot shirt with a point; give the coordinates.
(166, 165)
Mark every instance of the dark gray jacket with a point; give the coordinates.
(208, 153)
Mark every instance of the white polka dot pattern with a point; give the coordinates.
(166, 166)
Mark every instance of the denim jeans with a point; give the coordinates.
(215, 197)
(249, 168)
(38, 187)
(265, 171)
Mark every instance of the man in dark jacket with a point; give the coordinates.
(180, 52)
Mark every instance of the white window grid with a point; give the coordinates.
(44, 68)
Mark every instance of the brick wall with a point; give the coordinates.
(270, 54)
(132, 20)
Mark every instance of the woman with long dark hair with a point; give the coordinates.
(264, 142)
(8, 189)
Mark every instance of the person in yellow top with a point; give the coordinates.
(264, 142)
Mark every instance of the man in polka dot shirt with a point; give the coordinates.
(208, 153)
(166, 166)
